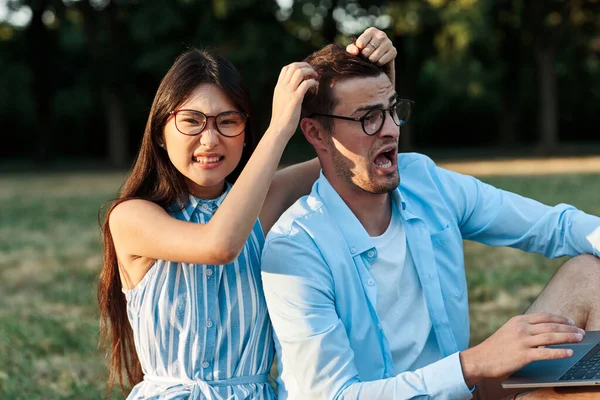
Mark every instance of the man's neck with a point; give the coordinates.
(374, 211)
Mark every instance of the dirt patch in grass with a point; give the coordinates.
(526, 166)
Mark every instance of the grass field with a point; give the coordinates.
(50, 257)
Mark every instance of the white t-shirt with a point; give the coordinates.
(400, 301)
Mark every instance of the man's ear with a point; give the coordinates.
(315, 133)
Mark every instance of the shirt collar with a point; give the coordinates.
(208, 207)
(356, 235)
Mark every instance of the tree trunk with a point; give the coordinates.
(117, 127)
(510, 52)
(113, 97)
(103, 59)
(547, 93)
(543, 49)
(406, 78)
(330, 29)
(41, 51)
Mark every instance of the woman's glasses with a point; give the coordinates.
(192, 122)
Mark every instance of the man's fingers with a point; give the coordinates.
(537, 329)
(539, 318)
(376, 55)
(366, 37)
(386, 58)
(544, 353)
(352, 49)
(546, 339)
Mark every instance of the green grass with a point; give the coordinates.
(49, 262)
(50, 257)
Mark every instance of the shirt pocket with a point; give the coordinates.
(448, 255)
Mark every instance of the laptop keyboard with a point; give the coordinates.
(586, 368)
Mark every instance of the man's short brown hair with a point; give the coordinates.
(334, 64)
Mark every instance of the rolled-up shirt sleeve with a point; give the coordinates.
(317, 355)
(499, 218)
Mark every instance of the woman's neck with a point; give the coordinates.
(207, 192)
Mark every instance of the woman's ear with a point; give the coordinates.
(315, 133)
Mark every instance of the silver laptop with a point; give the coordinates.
(581, 369)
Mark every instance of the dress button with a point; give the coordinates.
(370, 282)
(371, 253)
(209, 272)
(209, 323)
(205, 364)
(205, 206)
(352, 250)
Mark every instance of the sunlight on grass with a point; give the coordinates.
(50, 256)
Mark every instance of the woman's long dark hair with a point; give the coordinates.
(154, 178)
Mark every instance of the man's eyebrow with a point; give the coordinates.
(368, 107)
(393, 97)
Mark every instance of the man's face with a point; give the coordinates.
(364, 163)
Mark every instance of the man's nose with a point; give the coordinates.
(389, 127)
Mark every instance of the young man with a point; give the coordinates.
(364, 278)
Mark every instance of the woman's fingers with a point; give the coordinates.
(300, 75)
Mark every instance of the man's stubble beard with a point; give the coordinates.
(342, 166)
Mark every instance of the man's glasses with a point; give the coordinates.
(373, 120)
(192, 122)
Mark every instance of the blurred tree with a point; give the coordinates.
(41, 51)
(78, 76)
(507, 23)
(553, 21)
(104, 26)
(413, 30)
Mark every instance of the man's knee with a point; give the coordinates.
(573, 291)
(585, 269)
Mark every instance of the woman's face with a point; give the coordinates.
(208, 158)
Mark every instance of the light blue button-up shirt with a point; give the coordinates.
(322, 300)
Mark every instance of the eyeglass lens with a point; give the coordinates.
(229, 123)
(374, 119)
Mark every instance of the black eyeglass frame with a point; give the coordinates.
(385, 111)
(174, 114)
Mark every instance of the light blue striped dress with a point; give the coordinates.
(202, 331)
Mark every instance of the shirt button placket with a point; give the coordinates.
(211, 334)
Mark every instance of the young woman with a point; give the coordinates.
(180, 294)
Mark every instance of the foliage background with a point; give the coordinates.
(78, 76)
